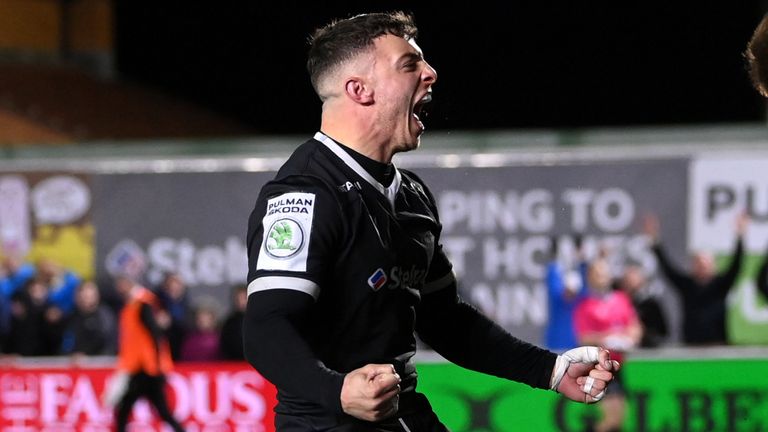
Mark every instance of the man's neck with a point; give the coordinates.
(383, 173)
(359, 134)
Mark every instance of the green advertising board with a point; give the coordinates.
(663, 394)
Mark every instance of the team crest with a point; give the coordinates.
(284, 239)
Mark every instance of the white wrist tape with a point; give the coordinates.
(598, 396)
(586, 354)
(588, 383)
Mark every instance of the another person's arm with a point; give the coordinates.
(729, 275)
(676, 277)
(148, 319)
(762, 277)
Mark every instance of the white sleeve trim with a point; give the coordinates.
(284, 282)
(440, 283)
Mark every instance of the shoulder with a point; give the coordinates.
(301, 158)
(411, 177)
(311, 159)
(413, 182)
(309, 170)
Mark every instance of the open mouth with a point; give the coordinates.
(418, 110)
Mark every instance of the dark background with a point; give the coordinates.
(501, 66)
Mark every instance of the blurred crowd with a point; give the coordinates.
(48, 310)
(591, 303)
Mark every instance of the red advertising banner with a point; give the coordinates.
(209, 397)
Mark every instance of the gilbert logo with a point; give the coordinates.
(285, 238)
(377, 280)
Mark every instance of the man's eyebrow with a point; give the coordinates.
(410, 56)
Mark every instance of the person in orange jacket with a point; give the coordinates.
(143, 353)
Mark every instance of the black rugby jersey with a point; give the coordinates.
(364, 252)
(341, 262)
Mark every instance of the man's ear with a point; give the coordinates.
(359, 91)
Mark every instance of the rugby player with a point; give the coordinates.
(345, 260)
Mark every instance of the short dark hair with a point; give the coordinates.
(341, 40)
(757, 57)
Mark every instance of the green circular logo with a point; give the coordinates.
(284, 238)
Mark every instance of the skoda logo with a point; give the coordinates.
(284, 238)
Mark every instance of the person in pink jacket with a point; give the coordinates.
(608, 319)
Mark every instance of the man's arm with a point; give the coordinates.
(281, 296)
(555, 283)
(762, 277)
(466, 337)
(274, 345)
(651, 228)
(148, 319)
(463, 335)
(728, 278)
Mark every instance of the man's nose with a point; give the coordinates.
(429, 75)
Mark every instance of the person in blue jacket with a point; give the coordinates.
(566, 287)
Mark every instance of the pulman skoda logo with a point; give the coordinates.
(285, 238)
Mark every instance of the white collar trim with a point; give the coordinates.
(388, 192)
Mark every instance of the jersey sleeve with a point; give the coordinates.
(466, 337)
(293, 228)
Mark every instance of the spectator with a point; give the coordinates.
(5, 320)
(703, 290)
(14, 273)
(61, 284)
(90, 329)
(35, 325)
(202, 341)
(231, 336)
(607, 318)
(110, 295)
(565, 289)
(173, 296)
(634, 283)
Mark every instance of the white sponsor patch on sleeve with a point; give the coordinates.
(287, 229)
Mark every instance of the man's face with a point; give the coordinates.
(703, 266)
(87, 297)
(402, 82)
(174, 286)
(633, 279)
(599, 276)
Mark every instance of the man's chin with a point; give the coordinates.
(413, 144)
